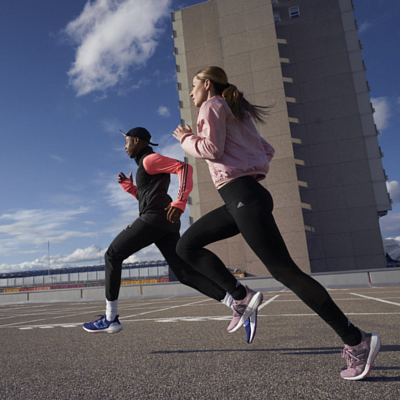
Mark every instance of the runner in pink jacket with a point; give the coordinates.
(231, 148)
(238, 158)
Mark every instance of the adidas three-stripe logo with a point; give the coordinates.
(240, 204)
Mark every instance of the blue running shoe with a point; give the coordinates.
(102, 325)
(251, 326)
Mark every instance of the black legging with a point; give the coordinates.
(248, 210)
(139, 235)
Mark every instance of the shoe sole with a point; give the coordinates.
(252, 306)
(113, 330)
(374, 350)
(251, 327)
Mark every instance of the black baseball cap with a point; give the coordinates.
(141, 133)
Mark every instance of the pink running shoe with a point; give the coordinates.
(360, 358)
(242, 309)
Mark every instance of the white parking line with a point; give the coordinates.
(47, 326)
(387, 291)
(373, 298)
(166, 309)
(149, 305)
(47, 312)
(267, 302)
(25, 328)
(188, 319)
(93, 309)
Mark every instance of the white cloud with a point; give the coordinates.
(172, 150)
(163, 111)
(364, 26)
(121, 222)
(92, 255)
(392, 247)
(390, 224)
(149, 253)
(123, 201)
(112, 36)
(80, 256)
(141, 83)
(393, 188)
(124, 90)
(36, 227)
(117, 197)
(101, 97)
(382, 111)
(57, 158)
(66, 200)
(111, 126)
(20, 229)
(172, 77)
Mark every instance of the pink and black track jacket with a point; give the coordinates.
(231, 148)
(152, 183)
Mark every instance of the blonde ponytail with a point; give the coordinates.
(240, 107)
(233, 97)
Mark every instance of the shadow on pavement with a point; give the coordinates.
(308, 350)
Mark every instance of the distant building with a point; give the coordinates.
(327, 179)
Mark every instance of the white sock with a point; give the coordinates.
(227, 300)
(111, 309)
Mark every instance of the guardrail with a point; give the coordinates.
(144, 288)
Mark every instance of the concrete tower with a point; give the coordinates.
(326, 179)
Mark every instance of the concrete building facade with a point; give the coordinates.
(303, 58)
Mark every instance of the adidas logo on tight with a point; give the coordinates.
(240, 204)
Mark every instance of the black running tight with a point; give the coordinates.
(139, 235)
(248, 210)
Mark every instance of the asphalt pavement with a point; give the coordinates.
(179, 348)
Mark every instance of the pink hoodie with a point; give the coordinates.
(231, 148)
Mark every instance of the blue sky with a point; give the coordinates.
(73, 73)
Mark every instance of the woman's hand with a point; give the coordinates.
(180, 131)
(122, 177)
